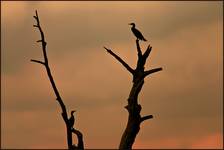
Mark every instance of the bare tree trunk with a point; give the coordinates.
(69, 128)
(134, 109)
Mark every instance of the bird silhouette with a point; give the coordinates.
(137, 33)
(72, 119)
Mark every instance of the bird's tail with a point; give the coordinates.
(144, 39)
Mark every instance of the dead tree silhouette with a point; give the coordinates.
(134, 109)
(69, 127)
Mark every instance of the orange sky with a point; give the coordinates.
(185, 98)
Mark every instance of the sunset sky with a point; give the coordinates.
(186, 98)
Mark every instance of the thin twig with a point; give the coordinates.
(38, 61)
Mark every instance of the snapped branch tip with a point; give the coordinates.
(146, 117)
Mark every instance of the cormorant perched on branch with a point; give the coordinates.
(72, 119)
(137, 33)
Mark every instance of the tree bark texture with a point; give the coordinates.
(133, 107)
(64, 114)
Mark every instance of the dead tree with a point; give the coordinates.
(69, 128)
(133, 107)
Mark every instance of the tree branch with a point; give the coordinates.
(133, 107)
(44, 43)
(58, 97)
(146, 117)
(138, 48)
(147, 52)
(38, 61)
(120, 60)
(80, 144)
(146, 73)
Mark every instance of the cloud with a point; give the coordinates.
(87, 25)
(186, 94)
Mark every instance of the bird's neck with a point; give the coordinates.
(133, 28)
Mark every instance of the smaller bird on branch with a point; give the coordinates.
(137, 33)
(72, 119)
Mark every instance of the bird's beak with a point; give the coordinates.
(129, 24)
